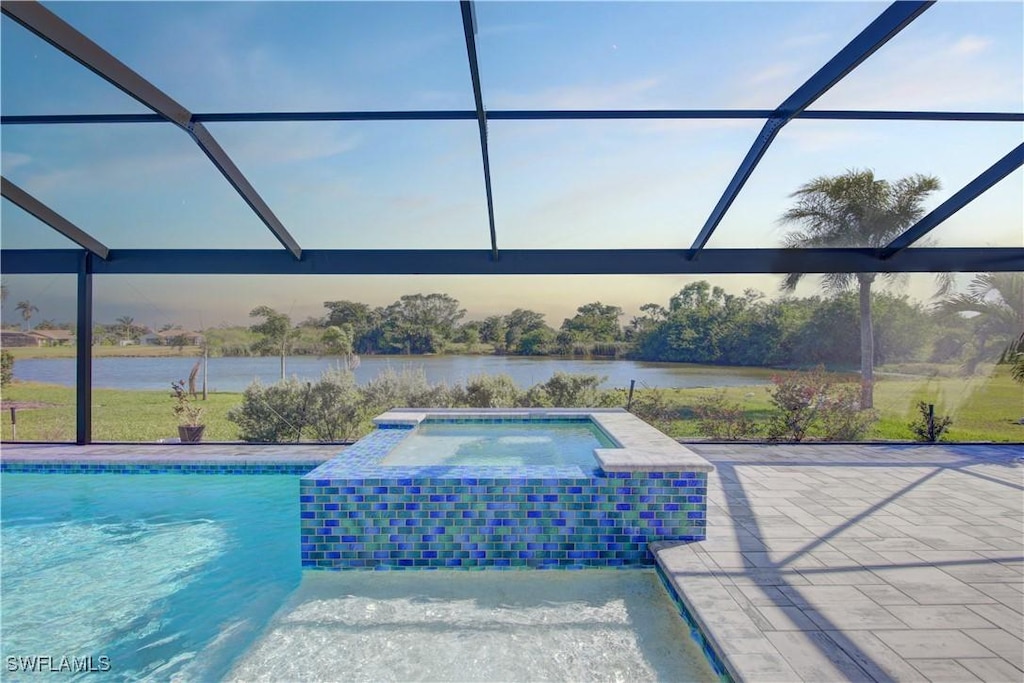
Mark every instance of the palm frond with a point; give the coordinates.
(790, 281)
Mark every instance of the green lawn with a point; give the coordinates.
(117, 415)
(136, 351)
(985, 407)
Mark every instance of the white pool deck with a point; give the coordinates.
(822, 562)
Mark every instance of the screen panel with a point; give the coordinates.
(953, 152)
(368, 185)
(39, 79)
(956, 56)
(675, 55)
(143, 186)
(287, 56)
(22, 230)
(611, 184)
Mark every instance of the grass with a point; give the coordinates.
(117, 415)
(139, 351)
(984, 407)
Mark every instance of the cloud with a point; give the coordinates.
(934, 74)
(771, 73)
(271, 144)
(808, 138)
(125, 171)
(12, 160)
(969, 45)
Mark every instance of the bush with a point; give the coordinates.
(492, 391)
(327, 410)
(333, 410)
(6, 367)
(841, 416)
(721, 419)
(653, 406)
(565, 390)
(441, 395)
(271, 414)
(391, 389)
(929, 427)
(808, 400)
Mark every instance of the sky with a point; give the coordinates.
(567, 184)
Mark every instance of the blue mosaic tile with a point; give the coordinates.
(358, 514)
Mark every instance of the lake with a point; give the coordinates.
(235, 374)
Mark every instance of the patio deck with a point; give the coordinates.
(828, 563)
(823, 562)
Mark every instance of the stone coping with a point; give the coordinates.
(641, 447)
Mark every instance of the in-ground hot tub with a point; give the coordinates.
(502, 488)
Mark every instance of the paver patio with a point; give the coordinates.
(822, 562)
(862, 563)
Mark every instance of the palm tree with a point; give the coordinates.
(1017, 369)
(995, 304)
(27, 311)
(127, 321)
(856, 210)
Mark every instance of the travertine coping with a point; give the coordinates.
(642, 448)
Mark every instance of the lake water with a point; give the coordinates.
(235, 374)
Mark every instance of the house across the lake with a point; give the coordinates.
(10, 338)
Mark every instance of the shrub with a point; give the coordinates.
(271, 414)
(721, 419)
(841, 416)
(326, 410)
(6, 367)
(492, 391)
(565, 390)
(653, 406)
(332, 410)
(441, 395)
(391, 389)
(929, 427)
(806, 401)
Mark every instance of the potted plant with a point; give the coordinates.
(190, 429)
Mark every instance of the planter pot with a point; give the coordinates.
(191, 434)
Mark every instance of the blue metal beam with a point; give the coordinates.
(513, 261)
(83, 343)
(54, 30)
(516, 115)
(992, 175)
(469, 28)
(890, 22)
(33, 206)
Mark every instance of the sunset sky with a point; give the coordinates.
(570, 184)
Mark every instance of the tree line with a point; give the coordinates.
(701, 323)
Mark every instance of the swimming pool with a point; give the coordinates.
(171, 577)
(501, 444)
(600, 625)
(163, 575)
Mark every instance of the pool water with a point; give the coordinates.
(593, 625)
(165, 575)
(173, 577)
(508, 444)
